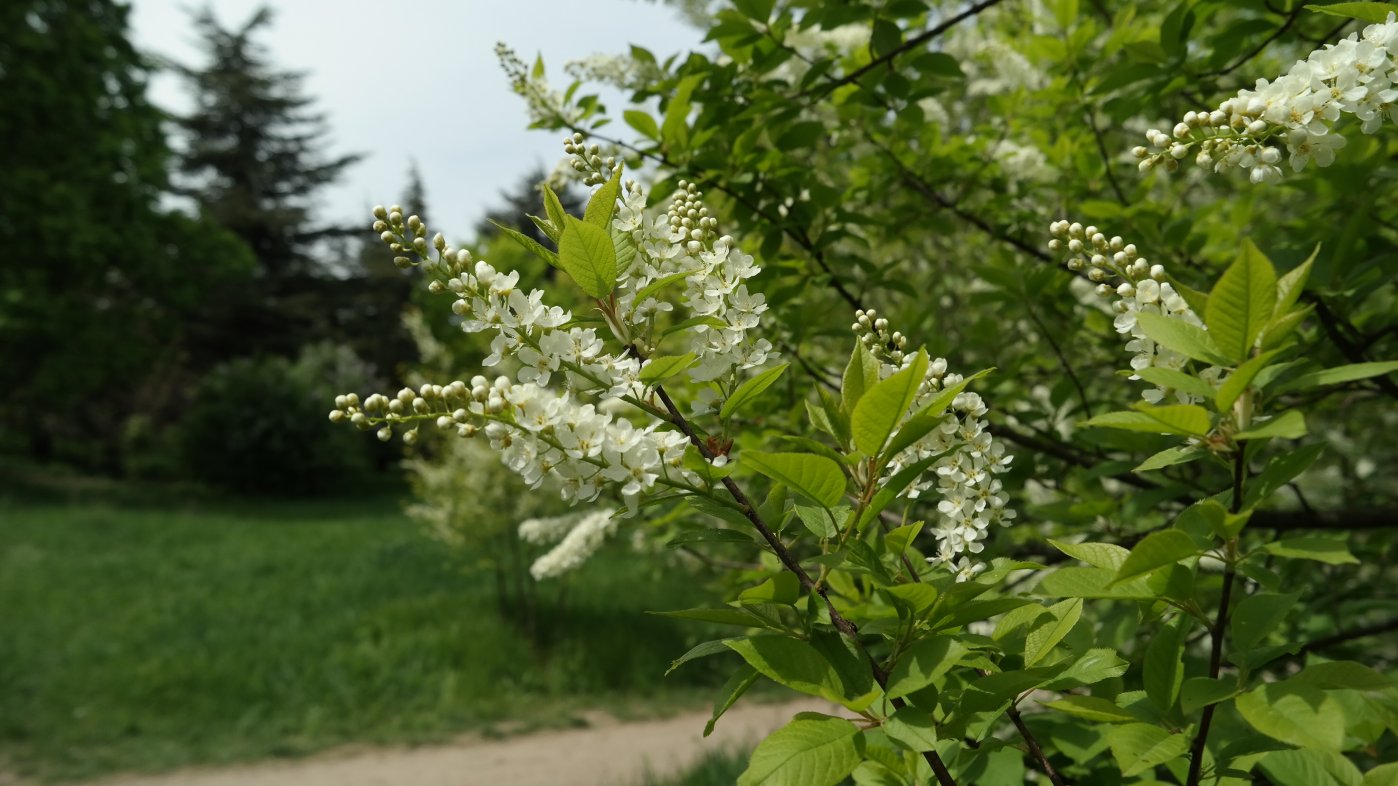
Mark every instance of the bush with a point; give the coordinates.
(258, 424)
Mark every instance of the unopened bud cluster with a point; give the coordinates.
(589, 160)
(872, 331)
(1133, 285)
(1358, 76)
(690, 218)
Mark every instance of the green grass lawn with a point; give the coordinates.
(144, 631)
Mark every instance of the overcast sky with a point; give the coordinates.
(404, 80)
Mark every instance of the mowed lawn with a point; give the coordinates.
(144, 631)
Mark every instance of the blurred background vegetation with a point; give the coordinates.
(195, 565)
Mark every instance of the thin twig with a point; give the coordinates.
(910, 44)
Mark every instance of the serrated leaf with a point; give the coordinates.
(783, 588)
(882, 407)
(1156, 550)
(586, 253)
(1095, 665)
(912, 728)
(1137, 747)
(1375, 13)
(708, 535)
(1098, 555)
(923, 663)
(733, 690)
(1199, 692)
(1291, 285)
(1076, 582)
(1257, 615)
(1175, 334)
(750, 390)
(861, 374)
(1331, 552)
(812, 750)
(815, 476)
(1162, 668)
(1045, 636)
(1183, 419)
(1176, 380)
(662, 367)
(1339, 375)
(529, 243)
(1092, 708)
(1300, 715)
(888, 492)
(659, 284)
(790, 662)
(723, 616)
(557, 215)
(699, 651)
(1290, 424)
(1237, 382)
(643, 123)
(1342, 675)
(929, 416)
(1169, 457)
(821, 522)
(603, 202)
(1241, 303)
(1310, 767)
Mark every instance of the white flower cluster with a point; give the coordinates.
(1144, 288)
(578, 536)
(1358, 76)
(620, 71)
(970, 498)
(683, 243)
(544, 103)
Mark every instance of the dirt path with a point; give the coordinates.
(607, 753)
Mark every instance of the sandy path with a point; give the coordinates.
(607, 753)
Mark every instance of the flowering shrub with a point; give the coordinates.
(1142, 621)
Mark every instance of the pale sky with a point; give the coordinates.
(403, 80)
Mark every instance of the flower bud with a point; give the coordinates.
(385, 434)
(380, 212)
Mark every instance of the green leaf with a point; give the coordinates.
(723, 616)
(861, 374)
(815, 476)
(1169, 457)
(1075, 582)
(660, 283)
(1099, 555)
(783, 588)
(1291, 285)
(912, 728)
(1137, 747)
(882, 407)
(790, 662)
(1183, 419)
(1281, 470)
(1283, 325)
(1175, 334)
(1257, 615)
(603, 202)
(586, 253)
(529, 243)
(708, 535)
(699, 651)
(1156, 550)
(662, 367)
(1375, 13)
(1299, 715)
(1092, 708)
(923, 663)
(1042, 638)
(1163, 665)
(820, 521)
(1095, 665)
(1310, 767)
(1342, 675)
(643, 123)
(750, 390)
(1241, 303)
(1338, 375)
(675, 128)
(811, 750)
(1237, 383)
(889, 491)
(1290, 424)
(1331, 552)
(1176, 380)
(736, 686)
(557, 215)
(626, 250)
(1199, 692)
(1382, 775)
(929, 416)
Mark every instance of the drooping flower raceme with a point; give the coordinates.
(969, 497)
(556, 421)
(1357, 76)
(577, 535)
(1134, 286)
